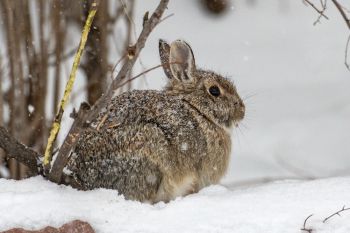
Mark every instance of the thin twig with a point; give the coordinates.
(309, 230)
(347, 21)
(140, 61)
(316, 9)
(131, 29)
(344, 8)
(56, 172)
(167, 17)
(65, 56)
(132, 25)
(324, 7)
(117, 15)
(340, 9)
(346, 53)
(141, 74)
(336, 213)
(117, 63)
(15, 149)
(69, 86)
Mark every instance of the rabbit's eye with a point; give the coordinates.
(214, 91)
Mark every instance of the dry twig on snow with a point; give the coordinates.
(309, 230)
(336, 213)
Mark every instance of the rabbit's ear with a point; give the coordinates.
(182, 64)
(164, 52)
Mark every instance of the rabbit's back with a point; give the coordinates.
(141, 136)
(119, 160)
(170, 114)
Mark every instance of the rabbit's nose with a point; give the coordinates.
(239, 104)
(239, 110)
(242, 106)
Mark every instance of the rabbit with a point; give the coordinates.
(154, 146)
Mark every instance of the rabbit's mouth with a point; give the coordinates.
(236, 117)
(239, 111)
(234, 123)
(228, 127)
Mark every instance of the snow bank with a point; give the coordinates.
(275, 207)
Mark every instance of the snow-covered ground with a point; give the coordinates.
(276, 207)
(296, 87)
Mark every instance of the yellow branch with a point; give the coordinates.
(57, 121)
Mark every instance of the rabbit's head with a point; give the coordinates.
(209, 93)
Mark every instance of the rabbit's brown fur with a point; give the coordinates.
(156, 145)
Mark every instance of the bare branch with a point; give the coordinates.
(346, 53)
(129, 15)
(336, 213)
(64, 57)
(70, 140)
(341, 10)
(167, 17)
(69, 86)
(321, 12)
(117, 15)
(116, 64)
(20, 152)
(324, 7)
(309, 230)
(141, 74)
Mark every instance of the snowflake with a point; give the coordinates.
(184, 146)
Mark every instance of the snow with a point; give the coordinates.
(30, 108)
(4, 172)
(184, 146)
(275, 207)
